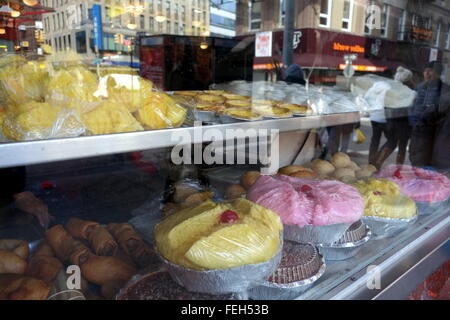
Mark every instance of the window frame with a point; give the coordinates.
(349, 20)
(252, 21)
(326, 15)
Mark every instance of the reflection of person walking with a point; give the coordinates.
(423, 131)
(378, 122)
(397, 128)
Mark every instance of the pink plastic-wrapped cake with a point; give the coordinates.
(417, 183)
(303, 202)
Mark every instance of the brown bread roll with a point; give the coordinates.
(249, 178)
(80, 228)
(60, 241)
(102, 242)
(17, 287)
(45, 268)
(235, 191)
(12, 263)
(44, 249)
(104, 270)
(19, 247)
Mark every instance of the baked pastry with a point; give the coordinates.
(19, 247)
(196, 199)
(244, 104)
(274, 112)
(17, 287)
(322, 167)
(45, 268)
(417, 183)
(303, 202)
(187, 93)
(295, 108)
(104, 270)
(304, 174)
(344, 172)
(242, 114)
(249, 178)
(291, 169)
(215, 92)
(219, 235)
(44, 249)
(369, 167)
(209, 99)
(231, 96)
(12, 263)
(383, 198)
(170, 208)
(209, 107)
(363, 173)
(80, 228)
(160, 286)
(340, 160)
(79, 253)
(102, 242)
(354, 166)
(235, 191)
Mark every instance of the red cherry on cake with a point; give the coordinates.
(229, 216)
(398, 174)
(305, 188)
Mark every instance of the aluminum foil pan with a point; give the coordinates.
(427, 208)
(222, 281)
(229, 119)
(160, 286)
(204, 116)
(387, 227)
(344, 249)
(316, 234)
(292, 278)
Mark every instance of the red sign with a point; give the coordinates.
(342, 47)
(152, 65)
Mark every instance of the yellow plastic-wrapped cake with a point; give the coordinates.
(383, 198)
(219, 235)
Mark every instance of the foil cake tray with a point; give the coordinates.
(221, 281)
(387, 227)
(349, 244)
(301, 265)
(160, 286)
(315, 234)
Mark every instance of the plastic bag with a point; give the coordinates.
(42, 121)
(358, 136)
(219, 235)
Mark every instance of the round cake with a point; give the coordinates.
(213, 236)
(160, 286)
(417, 183)
(383, 198)
(302, 202)
(299, 262)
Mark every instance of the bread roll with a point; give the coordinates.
(17, 287)
(249, 178)
(342, 172)
(45, 268)
(369, 167)
(363, 173)
(102, 242)
(19, 247)
(196, 199)
(12, 263)
(322, 167)
(104, 270)
(305, 174)
(80, 228)
(288, 170)
(340, 160)
(235, 191)
(182, 192)
(44, 249)
(353, 165)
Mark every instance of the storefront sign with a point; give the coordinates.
(263, 44)
(433, 54)
(342, 47)
(421, 34)
(98, 31)
(364, 68)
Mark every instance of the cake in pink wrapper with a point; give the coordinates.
(419, 184)
(303, 202)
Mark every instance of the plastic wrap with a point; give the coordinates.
(42, 121)
(419, 184)
(383, 198)
(387, 227)
(21, 81)
(219, 235)
(310, 203)
(373, 87)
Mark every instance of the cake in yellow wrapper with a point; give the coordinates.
(219, 235)
(160, 111)
(133, 98)
(41, 121)
(110, 117)
(383, 199)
